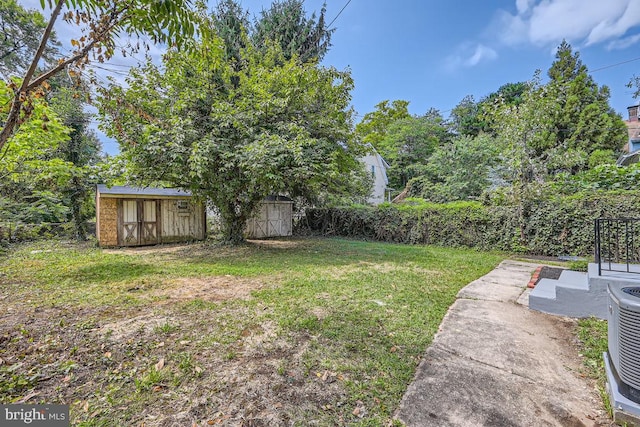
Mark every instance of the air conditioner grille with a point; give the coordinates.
(629, 347)
(633, 291)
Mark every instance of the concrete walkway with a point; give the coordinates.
(494, 362)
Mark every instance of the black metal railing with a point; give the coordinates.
(617, 245)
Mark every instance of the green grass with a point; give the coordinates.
(592, 333)
(346, 321)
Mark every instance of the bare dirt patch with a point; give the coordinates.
(281, 244)
(212, 288)
(152, 250)
(385, 268)
(170, 366)
(125, 329)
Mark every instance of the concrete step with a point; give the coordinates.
(545, 288)
(577, 294)
(574, 279)
(572, 295)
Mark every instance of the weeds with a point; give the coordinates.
(330, 323)
(592, 333)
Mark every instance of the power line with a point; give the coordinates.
(339, 13)
(615, 65)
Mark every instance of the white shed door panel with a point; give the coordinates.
(130, 227)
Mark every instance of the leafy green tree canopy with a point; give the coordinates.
(168, 21)
(234, 135)
(458, 170)
(29, 170)
(374, 125)
(410, 142)
(82, 153)
(20, 38)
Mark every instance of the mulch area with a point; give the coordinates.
(544, 272)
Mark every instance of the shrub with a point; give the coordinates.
(554, 225)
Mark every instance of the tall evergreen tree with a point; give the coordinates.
(581, 119)
(287, 24)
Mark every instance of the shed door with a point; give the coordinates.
(129, 230)
(274, 219)
(139, 223)
(148, 222)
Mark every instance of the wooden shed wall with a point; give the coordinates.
(179, 220)
(107, 221)
(179, 223)
(275, 219)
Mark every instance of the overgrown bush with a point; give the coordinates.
(22, 232)
(554, 225)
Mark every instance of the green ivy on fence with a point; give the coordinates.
(557, 225)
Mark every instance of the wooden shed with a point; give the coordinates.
(275, 219)
(130, 216)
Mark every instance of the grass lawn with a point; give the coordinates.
(593, 336)
(291, 332)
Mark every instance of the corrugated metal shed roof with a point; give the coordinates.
(123, 190)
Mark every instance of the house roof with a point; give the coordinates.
(123, 190)
(277, 198)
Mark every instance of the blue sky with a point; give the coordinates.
(433, 53)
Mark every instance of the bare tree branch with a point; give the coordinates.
(20, 94)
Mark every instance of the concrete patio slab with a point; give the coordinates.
(501, 284)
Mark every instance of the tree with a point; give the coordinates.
(634, 83)
(234, 136)
(28, 171)
(81, 151)
(465, 118)
(168, 21)
(231, 23)
(409, 143)
(509, 93)
(520, 128)
(286, 24)
(20, 37)
(374, 125)
(457, 170)
(581, 119)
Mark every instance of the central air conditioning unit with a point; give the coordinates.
(624, 339)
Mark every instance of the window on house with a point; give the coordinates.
(182, 205)
(373, 171)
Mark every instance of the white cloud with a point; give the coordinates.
(524, 5)
(624, 43)
(544, 22)
(482, 53)
(468, 55)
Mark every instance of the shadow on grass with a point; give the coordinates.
(112, 271)
(273, 256)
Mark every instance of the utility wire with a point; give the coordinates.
(339, 13)
(615, 65)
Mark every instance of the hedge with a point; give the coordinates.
(559, 225)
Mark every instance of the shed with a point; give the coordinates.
(131, 216)
(275, 219)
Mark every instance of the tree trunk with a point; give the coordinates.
(77, 198)
(233, 226)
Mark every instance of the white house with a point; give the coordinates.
(377, 166)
